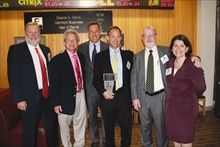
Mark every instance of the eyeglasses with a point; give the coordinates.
(148, 35)
(71, 40)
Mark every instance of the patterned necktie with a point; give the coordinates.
(94, 53)
(150, 73)
(45, 89)
(115, 69)
(78, 74)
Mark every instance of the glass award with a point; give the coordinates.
(109, 79)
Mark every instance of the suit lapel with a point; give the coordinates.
(68, 63)
(107, 60)
(102, 46)
(142, 64)
(162, 66)
(45, 53)
(124, 61)
(161, 54)
(26, 55)
(87, 53)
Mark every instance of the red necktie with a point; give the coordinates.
(45, 89)
(78, 74)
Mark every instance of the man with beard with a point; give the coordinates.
(29, 76)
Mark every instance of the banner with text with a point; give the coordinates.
(59, 22)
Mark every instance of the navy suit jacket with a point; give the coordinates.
(22, 74)
(63, 82)
(102, 65)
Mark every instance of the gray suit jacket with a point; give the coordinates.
(84, 49)
(138, 73)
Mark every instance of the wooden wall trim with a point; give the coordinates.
(183, 19)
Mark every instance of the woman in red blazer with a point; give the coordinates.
(185, 82)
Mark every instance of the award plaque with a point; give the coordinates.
(109, 79)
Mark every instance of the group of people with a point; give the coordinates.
(74, 83)
(173, 100)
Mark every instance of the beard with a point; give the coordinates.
(33, 40)
(150, 45)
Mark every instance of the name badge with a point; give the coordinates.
(164, 59)
(168, 71)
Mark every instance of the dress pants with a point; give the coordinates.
(121, 113)
(79, 123)
(152, 111)
(93, 103)
(30, 122)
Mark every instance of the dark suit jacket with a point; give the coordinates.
(21, 73)
(103, 65)
(63, 82)
(84, 49)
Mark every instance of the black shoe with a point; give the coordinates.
(95, 144)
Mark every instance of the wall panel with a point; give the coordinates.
(183, 19)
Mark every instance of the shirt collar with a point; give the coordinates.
(96, 44)
(31, 46)
(71, 54)
(153, 49)
(112, 50)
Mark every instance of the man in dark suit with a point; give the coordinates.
(115, 104)
(92, 96)
(68, 94)
(30, 92)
